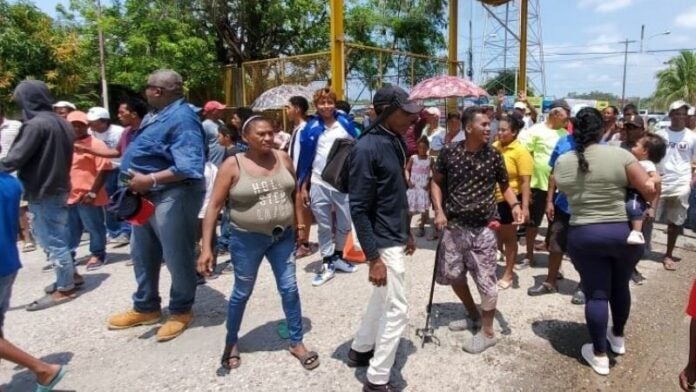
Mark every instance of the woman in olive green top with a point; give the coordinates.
(260, 185)
(594, 177)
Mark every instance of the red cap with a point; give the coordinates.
(145, 210)
(213, 105)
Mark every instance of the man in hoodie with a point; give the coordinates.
(42, 156)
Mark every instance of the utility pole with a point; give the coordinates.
(522, 71)
(470, 70)
(623, 85)
(102, 65)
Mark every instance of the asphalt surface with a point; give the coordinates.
(539, 347)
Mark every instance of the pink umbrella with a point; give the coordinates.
(445, 86)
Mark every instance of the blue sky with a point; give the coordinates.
(583, 27)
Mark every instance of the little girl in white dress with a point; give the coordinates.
(418, 179)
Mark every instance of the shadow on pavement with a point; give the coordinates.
(405, 349)
(444, 313)
(210, 308)
(25, 380)
(265, 337)
(566, 337)
(92, 281)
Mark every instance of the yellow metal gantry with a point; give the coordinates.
(338, 50)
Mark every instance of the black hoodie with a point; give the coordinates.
(42, 151)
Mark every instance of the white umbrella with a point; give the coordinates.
(278, 97)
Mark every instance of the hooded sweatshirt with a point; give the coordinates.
(42, 152)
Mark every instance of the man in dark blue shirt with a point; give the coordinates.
(379, 209)
(165, 163)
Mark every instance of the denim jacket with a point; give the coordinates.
(169, 139)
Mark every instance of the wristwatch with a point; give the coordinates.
(91, 195)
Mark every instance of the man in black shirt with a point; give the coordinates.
(379, 209)
(467, 173)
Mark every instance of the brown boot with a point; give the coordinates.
(131, 318)
(175, 326)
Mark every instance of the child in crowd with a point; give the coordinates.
(418, 179)
(649, 150)
(210, 172)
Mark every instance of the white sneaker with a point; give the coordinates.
(635, 238)
(325, 274)
(617, 343)
(598, 364)
(344, 266)
(464, 324)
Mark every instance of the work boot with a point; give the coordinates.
(174, 326)
(132, 318)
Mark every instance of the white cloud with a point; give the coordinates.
(687, 19)
(604, 6)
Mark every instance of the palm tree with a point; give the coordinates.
(678, 81)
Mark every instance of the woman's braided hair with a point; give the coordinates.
(587, 130)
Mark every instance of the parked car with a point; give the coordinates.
(663, 123)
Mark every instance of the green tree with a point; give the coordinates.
(597, 95)
(505, 80)
(678, 81)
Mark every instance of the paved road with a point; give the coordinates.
(538, 350)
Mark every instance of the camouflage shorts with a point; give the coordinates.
(468, 250)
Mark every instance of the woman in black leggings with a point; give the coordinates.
(595, 178)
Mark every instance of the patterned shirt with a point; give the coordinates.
(470, 184)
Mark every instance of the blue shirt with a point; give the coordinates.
(564, 145)
(10, 193)
(169, 139)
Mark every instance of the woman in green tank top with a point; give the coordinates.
(260, 186)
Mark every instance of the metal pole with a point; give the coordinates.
(452, 53)
(623, 85)
(522, 75)
(102, 65)
(642, 35)
(470, 70)
(337, 39)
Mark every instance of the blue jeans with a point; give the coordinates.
(169, 234)
(114, 227)
(90, 218)
(5, 294)
(691, 214)
(247, 251)
(50, 223)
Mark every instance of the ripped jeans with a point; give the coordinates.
(247, 251)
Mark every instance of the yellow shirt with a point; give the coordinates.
(518, 162)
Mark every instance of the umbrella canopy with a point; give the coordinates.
(446, 86)
(277, 97)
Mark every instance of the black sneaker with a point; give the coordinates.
(370, 387)
(543, 288)
(578, 298)
(637, 278)
(358, 359)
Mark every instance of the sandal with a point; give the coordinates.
(309, 361)
(504, 284)
(93, 266)
(669, 264)
(54, 381)
(29, 247)
(228, 355)
(47, 301)
(51, 288)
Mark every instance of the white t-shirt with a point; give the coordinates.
(438, 141)
(9, 129)
(430, 135)
(210, 173)
(528, 122)
(324, 144)
(111, 137)
(649, 166)
(295, 140)
(675, 168)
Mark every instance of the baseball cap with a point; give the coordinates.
(678, 105)
(433, 111)
(130, 207)
(520, 105)
(395, 95)
(213, 105)
(97, 113)
(560, 103)
(635, 120)
(77, 116)
(64, 104)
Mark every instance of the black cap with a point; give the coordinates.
(635, 120)
(560, 103)
(395, 95)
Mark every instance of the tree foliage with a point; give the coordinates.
(678, 81)
(507, 81)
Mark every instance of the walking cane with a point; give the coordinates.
(427, 333)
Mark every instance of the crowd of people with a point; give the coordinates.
(181, 186)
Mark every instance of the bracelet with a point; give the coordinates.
(515, 204)
(154, 180)
(301, 227)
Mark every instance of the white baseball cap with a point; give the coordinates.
(64, 104)
(97, 113)
(520, 105)
(433, 111)
(678, 105)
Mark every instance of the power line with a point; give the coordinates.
(619, 52)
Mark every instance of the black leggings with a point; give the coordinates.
(605, 263)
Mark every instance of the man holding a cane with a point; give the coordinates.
(467, 173)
